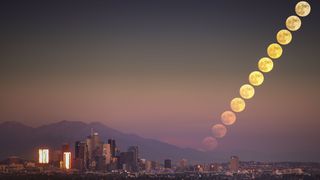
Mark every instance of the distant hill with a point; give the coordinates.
(21, 140)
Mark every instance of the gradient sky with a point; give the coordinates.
(163, 69)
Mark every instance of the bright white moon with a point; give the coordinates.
(293, 23)
(303, 9)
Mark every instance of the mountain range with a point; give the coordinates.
(21, 140)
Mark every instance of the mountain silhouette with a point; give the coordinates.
(21, 140)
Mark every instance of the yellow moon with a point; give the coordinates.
(237, 104)
(246, 91)
(265, 64)
(228, 117)
(256, 78)
(303, 8)
(284, 37)
(293, 23)
(219, 130)
(274, 50)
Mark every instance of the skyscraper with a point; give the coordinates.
(81, 155)
(234, 164)
(106, 153)
(112, 143)
(66, 160)
(167, 163)
(66, 157)
(43, 156)
(135, 151)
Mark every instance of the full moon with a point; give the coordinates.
(219, 130)
(303, 8)
(284, 37)
(228, 117)
(293, 23)
(256, 78)
(246, 91)
(265, 64)
(237, 104)
(274, 50)
(210, 143)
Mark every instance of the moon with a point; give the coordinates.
(284, 37)
(246, 91)
(265, 64)
(219, 130)
(303, 9)
(237, 104)
(228, 117)
(256, 78)
(210, 143)
(274, 50)
(293, 23)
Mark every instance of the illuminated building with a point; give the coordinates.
(66, 160)
(234, 164)
(43, 156)
(106, 153)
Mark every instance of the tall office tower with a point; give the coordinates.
(135, 151)
(106, 153)
(81, 155)
(43, 156)
(167, 163)
(66, 164)
(65, 148)
(126, 161)
(112, 143)
(234, 164)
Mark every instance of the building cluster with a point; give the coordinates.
(92, 154)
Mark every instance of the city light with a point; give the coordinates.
(43, 156)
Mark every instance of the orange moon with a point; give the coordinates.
(210, 143)
(219, 130)
(228, 117)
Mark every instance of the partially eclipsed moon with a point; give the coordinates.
(210, 143)
(265, 64)
(256, 78)
(274, 50)
(293, 23)
(228, 117)
(303, 8)
(219, 130)
(237, 104)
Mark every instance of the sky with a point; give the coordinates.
(163, 69)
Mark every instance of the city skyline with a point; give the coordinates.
(162, 70)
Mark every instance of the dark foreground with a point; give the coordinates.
(152, 177)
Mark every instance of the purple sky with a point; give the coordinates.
(164, 70)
